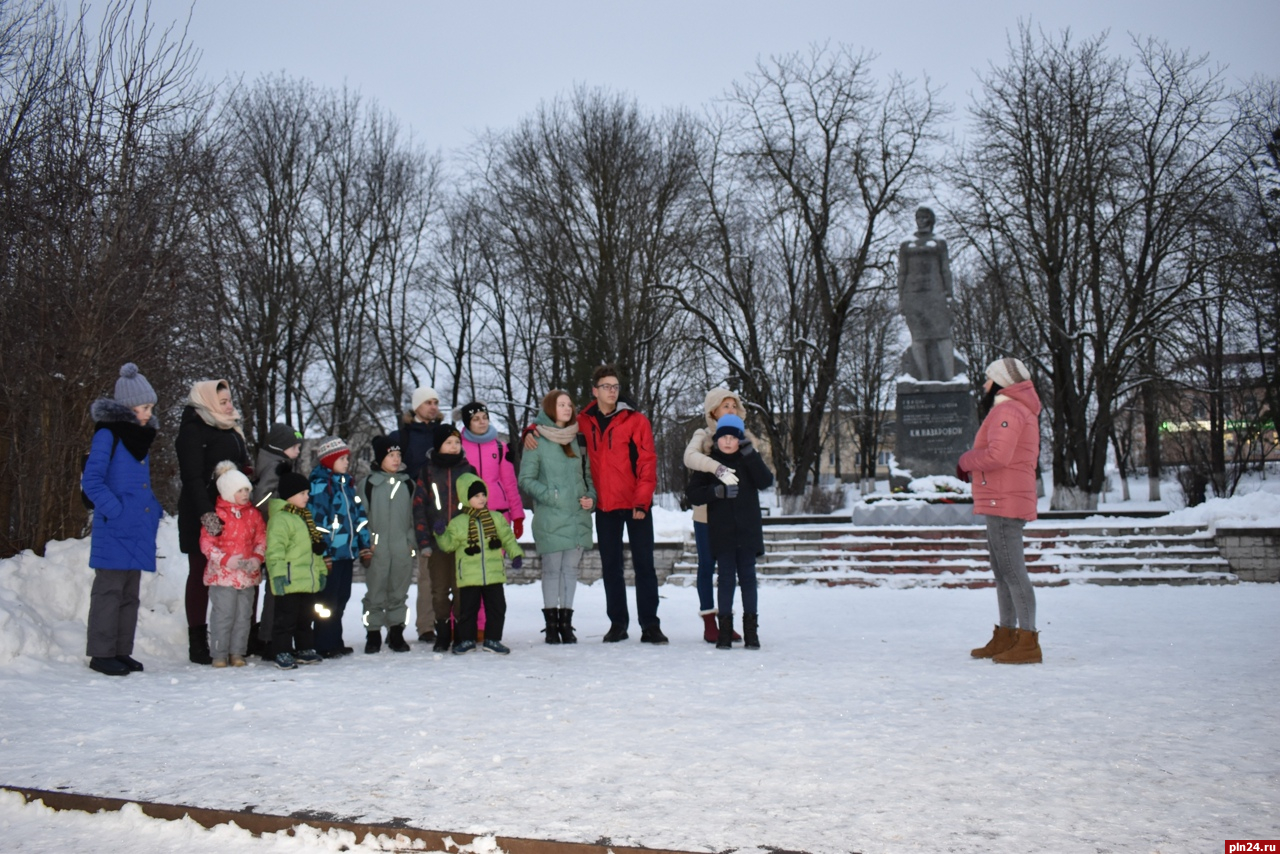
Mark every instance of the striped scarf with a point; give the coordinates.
(317, 539)
(483, 519)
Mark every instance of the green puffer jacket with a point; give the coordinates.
(289, 554)
(388, 502)
(556, 482)
(484, 567)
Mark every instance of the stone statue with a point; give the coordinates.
(924, 299)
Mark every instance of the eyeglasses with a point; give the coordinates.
(608, 386)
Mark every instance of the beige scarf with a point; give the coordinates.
(204, 397)
(559, 435)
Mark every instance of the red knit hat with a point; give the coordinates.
(331, 449)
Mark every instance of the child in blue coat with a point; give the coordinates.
(126, 515)
(340, 517)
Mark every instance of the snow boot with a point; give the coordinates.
(198, 645)
(108, 666)
(444, 636)
(710, 632)
(750, 634)
(373, 641)
(1025, 651)
(617, 632)
(724, 639)
(552, 616)
(566, 626)
(1001, 639)
(395, 639)
(130, 662)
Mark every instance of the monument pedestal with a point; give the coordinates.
(936, 424)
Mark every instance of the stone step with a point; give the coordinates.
(979, 579)
(936, 550)
(1033, 531)
(1119, 563)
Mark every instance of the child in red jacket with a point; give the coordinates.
(234, 566)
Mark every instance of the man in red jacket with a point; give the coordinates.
(624, 468)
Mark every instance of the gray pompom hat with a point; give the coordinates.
(132, 388)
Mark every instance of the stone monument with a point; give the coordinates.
(937, 415)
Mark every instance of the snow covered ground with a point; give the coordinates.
(862, 725)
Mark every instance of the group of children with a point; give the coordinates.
(305, 534)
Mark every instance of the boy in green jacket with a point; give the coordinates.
(477, 538)
(296, 571)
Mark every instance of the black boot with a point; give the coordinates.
(750, 637)
(566, 626)
(395, 639)
(198, 645)
(552, 616)
(373, 641)
(442, 636)
(725, 641)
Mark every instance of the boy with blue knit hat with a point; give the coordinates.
(735, 524)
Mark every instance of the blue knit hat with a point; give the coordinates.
(730, 425)
(132, 389)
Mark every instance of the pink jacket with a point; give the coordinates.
(1003, 461)
(492, 462)
(244, 535)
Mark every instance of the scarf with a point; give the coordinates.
(490, 435)
(483, 519)
(317, 539)
(204, 397)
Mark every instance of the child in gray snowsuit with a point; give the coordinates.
(388, 496)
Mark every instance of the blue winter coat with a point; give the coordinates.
(338, 513)
(117, 479)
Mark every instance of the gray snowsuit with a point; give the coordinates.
(389, 504)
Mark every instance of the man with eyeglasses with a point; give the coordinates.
(624, 468)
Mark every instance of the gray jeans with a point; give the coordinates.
(560, 577)
(113, 612)
(232, 614)
(1016, 597)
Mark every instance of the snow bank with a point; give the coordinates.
(1259, 509)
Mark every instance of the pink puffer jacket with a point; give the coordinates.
(1002, 464)
(244, 535)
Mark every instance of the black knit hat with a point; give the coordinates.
(443, 433)
(291, 483)
(383, 445)
(476, 488)
(470, 410)
(282, 437)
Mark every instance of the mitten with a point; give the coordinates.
(247, 564)
(961, 473)
(366, 557)
(277, 585)
(729, 490)
(517, 527)
(211, 523)
(317, 547)
(726, 475)
(516, 563)
(439, 526)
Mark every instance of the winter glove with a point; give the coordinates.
(746, 448)
(439, 527)
(366, 557)
(516, 563)
(726, 490)
(317, 548)
(277, 585)
(726, 476)
(961, 473)
(517, 528)
(211, 523)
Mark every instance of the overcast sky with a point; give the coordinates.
(449, 70)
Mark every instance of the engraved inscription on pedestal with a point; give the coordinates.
(936, 424)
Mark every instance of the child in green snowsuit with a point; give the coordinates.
(477, 538)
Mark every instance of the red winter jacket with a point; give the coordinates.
(1005, 451)
(624, 465)
(244, 534)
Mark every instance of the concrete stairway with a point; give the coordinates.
(1057, 553)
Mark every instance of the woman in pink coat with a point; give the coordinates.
(1002, 468)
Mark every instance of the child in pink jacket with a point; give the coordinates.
(234, 566)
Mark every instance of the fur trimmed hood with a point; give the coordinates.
(106, 411)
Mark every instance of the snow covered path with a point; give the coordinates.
(861, 726)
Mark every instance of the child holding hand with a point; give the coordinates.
(234, 565)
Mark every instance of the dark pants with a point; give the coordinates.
(495, 611)
(294, 614)
(197, 598)
(706, 568)
(113, 612)
(334, 596)
(609, 525)
(737, 568)
(268, 612)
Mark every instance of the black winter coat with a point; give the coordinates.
(416, 440)
(201, 447)
(733, 522)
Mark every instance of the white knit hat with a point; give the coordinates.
(230, 480)
(1007, 372)
(421, 395)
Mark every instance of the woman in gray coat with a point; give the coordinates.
(557, 476)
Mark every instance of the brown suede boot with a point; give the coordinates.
(1025, 651)
(1002, 639)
